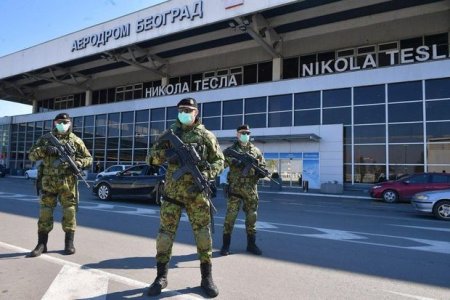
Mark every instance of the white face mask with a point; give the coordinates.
(62, 128)
(186, 118)
(244, 138)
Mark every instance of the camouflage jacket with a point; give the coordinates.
(207, 147)
(50, 163)
(235, 174)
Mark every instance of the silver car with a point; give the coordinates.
(435, 202)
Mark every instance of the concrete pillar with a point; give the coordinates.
(35, 106)
(449, 40)
(277, 69)
(164, 81)
(88, 100)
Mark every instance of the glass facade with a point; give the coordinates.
(4, 143)
(389, 129)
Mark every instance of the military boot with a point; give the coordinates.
(68, 243)
(226, 244)
(207, 282)
(251, 245)
(160, 282)
(41, 246)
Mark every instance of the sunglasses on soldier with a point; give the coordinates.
(187, 110)
(62, 122)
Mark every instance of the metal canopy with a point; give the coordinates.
(267, 30)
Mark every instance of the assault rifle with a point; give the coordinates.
(65, 154)
(249, 163)
(189, 161)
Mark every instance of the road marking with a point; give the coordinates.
(355, 237)
(138, 211)
(332, 234)
(16, 195)
(97, 206)
(315, 194)
(410, 296)
(422, 227)
(110, 276)
(432, 246)
(77, 283)
(259, 225)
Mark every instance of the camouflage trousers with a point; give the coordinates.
(248, 195)
(63, 189)
(198, 213)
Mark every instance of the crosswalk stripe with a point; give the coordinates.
(76, 283)
(117, 278)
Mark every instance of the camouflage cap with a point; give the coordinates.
(188, 102)
(62, 116)
(243, 128)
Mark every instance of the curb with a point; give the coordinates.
(300, 193)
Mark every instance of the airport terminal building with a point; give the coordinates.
(339, 91)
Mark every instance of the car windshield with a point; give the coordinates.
(419, 178)
(134, 171)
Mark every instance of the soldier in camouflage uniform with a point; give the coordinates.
(58, 183)
(243, 188)
(176, 196)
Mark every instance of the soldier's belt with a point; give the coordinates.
(51, 172)
(246, 180)
(230, 193)
(173, 201)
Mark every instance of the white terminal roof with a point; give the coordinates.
(180, 37)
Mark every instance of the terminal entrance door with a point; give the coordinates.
(291, 167)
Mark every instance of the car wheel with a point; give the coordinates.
(104, 191)
(27, 176)
(441, 210)
(390, 196)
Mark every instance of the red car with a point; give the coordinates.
(406, 187)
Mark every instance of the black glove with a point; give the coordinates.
(171, 156)
(237, 163)
(260, 175)
(51, 150)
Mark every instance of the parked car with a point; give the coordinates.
(435, 202)
(405, 187)
(112, 170)
(2, 170)
(136, 181)
(31, 173)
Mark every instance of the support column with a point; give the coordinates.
(35, 106)
(88, 100)
(277, 69)
(164, 81)
(449, 40)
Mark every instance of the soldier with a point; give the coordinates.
(177, 195)
(58, 182)
(242, 187)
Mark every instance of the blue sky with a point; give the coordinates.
(25, 23)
